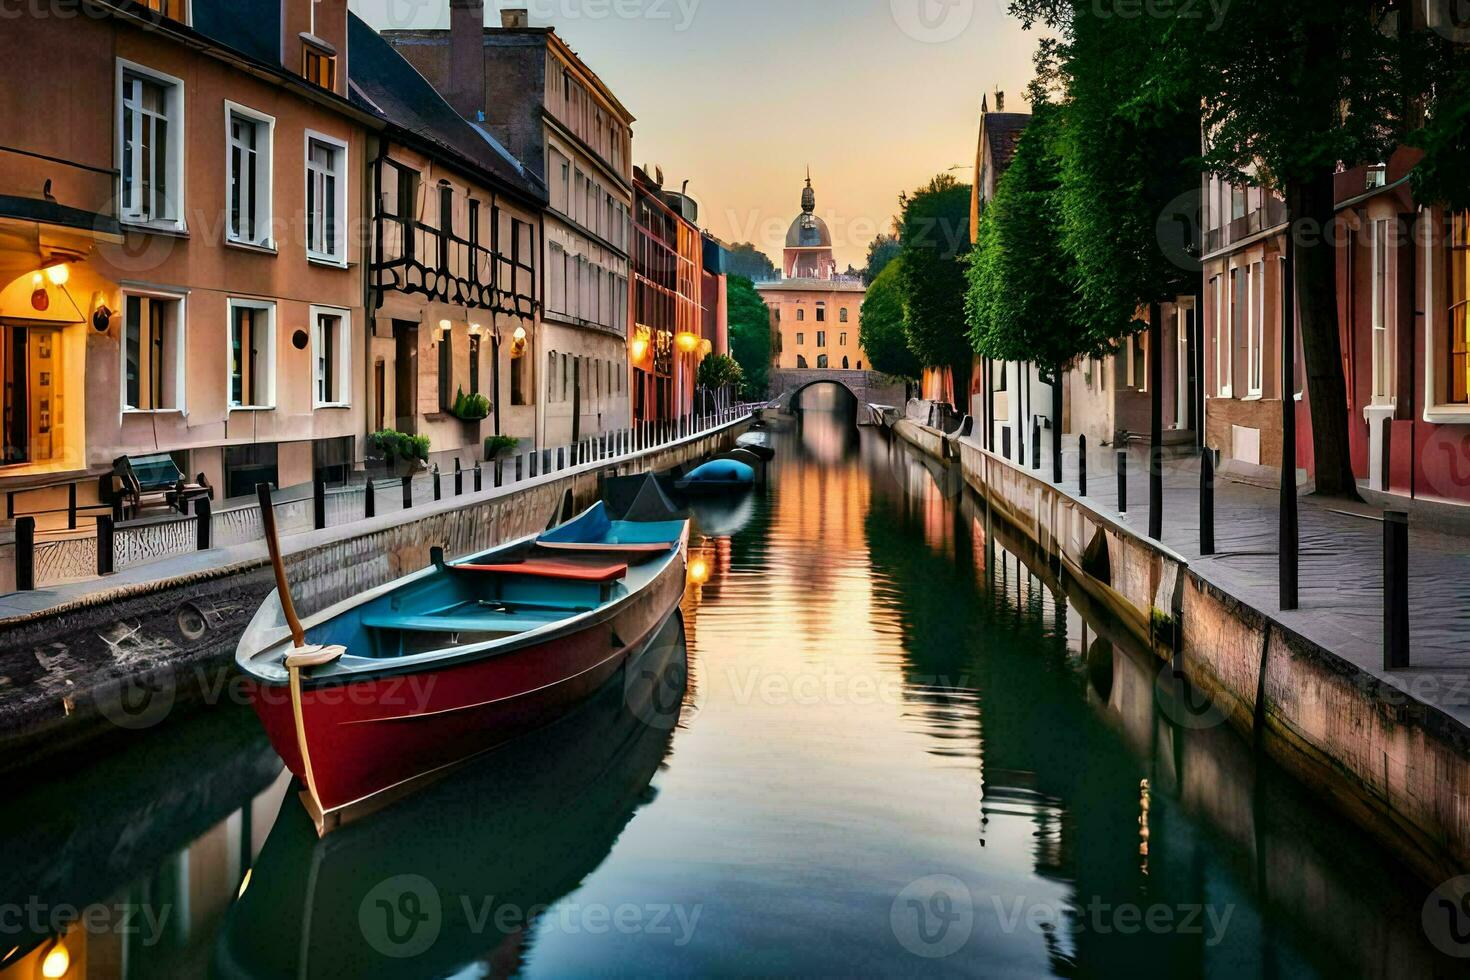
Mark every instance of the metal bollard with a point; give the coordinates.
(519, 461)
(438, 486)
(1122, 481)
(25, 554)
(204, 539)
(480, 478)
(1395, 590)
(369, 507)
(459, 476)
(407, 492)
(104, 545)
(1082, 466)
(71, 506)
(1207, 502)
(1036, 444)
(318, 504)
(499, 473)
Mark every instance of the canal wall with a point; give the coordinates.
(125, 658)
(1398, 766)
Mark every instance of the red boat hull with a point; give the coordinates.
(373, 738)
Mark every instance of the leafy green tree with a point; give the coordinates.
(881, 332)
(750, 334)
(718, 370)
(881, 251)
(934, 229)
(746, 260)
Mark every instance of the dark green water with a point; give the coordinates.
(873, 743)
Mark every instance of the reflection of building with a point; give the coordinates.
(527, 87)
(815, 313)
(176, 260)
(455, 266)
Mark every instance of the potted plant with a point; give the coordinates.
(470, 408)
(397, 452)
(497, 447)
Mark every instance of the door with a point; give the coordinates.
(405, 374)
(15, 371)
(30, 400)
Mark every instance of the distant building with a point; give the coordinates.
(664, 342)
(550, 110)
(815, 312)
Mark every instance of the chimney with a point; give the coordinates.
(467, 57)
(515, 18)
(1000, 101)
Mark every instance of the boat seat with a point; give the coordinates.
(608, 547)
(473, 621)
(566, 571)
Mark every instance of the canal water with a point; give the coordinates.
(874, 742)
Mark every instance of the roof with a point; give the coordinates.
(808, 231)
(252, 27)
(1003, 131)
(813, 285)
(381, 81)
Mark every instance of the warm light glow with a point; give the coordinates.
(58, 274)
(445, 325)
(687, 341)
(639, 347)
(38, 281)
(706, 348)
(698, 570)
(57, 961)
(244, 883)
(520, 334)
(474, 330)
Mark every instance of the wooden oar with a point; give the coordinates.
(302, 656)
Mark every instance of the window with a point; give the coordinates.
(446, 223)
(800, 339)
(1255, 338)
(329, 348)
(1383, 353)
(473, 231)
(518, 379)
(842, 316)
(551, 376)
(174, 9)
(1239, 304)
(326, 199)
(842, 339)
(150, 149)
(153, 353)
(474, 364)
(252, 354)
(821, 312)
(821, 360)
(1457, 391)
(319, 67)
(446, 369)
(800, 315)
(844, 362)
(821, 336)
(249, 465)
(1221, 338)
(248, 175)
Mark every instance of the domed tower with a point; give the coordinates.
(809, 244)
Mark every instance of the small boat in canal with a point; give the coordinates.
(718, 476)
(370, 698)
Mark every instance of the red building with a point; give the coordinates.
(664, 343)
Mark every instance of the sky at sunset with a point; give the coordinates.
(740, 96)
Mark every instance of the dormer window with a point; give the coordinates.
(173, 9)
(319, 63)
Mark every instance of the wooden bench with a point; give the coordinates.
(138, 481)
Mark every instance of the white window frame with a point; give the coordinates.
(263, 192)
(179, 358)
(232, 304)
(343, 356)
(1381, 316)
(339, 258)
(175, 158)
(1224, 338)
(1255, 329)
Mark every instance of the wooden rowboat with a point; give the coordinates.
(372, 697)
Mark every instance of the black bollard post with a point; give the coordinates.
(318, 504)
(519, 471)
(407, 492)
(1122, 481)
(369, 508)
(480, 476)
(459, 476)
(71, 506)
(1207, 502)
(1036, 444)
(25, 554)
(203, 513)
(1395, 590)
(104, 545)
(438, 487)
(1082, 465)
(499, 472)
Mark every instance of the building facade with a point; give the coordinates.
(180, 271)
(551, 111)
(454, 273)
(667, 315)
(815, 313)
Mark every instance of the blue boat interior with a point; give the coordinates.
(574, 569)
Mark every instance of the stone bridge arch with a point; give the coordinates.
(868, 387)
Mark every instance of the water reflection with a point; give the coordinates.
(882, 743)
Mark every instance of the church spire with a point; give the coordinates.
(808, 196)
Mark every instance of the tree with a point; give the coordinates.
(748, 261)
(750, 334)
(934, 230)
(881, 251)
(717, 371)
(880, 331)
